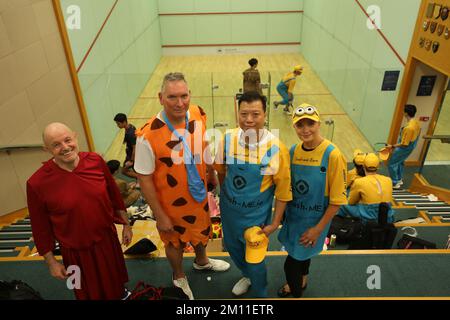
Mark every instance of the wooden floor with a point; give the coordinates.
(225, 73)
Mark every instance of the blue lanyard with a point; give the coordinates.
(182, 138)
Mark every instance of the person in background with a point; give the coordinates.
(409, 136)
(127, 189)
(368, 192)
(286, 88)
(252, 78)
(358, 170)
(130, 141)
(73, 199)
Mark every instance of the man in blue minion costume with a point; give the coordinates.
(367, 193)
(318, 173)
(409, 136)
(253, 168)
(286, 88)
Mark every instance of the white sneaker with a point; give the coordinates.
(183, 284)
(400, 182)
(397, 186)
(213, 265)
(241, 286)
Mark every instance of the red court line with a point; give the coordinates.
(381, 33)
(230, 44)
(222, 13)
(96, 37)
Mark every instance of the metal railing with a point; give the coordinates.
(442, 138)
(8, 149)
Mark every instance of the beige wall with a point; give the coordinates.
(35, 89)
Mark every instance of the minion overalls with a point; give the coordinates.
(242, 205)
(307, 208)
(397, 161)
(283, 88)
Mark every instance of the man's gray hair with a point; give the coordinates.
(173, 76)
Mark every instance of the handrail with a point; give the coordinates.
(20, 147)
(443, 138)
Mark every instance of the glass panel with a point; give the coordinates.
(437, 160)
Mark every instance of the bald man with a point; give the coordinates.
(74, 200)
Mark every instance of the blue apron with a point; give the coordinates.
(242, 205)
(400, 154)
(307, 207)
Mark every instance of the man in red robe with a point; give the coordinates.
(74, 200)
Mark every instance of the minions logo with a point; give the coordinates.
(239, 182)
(302, 187)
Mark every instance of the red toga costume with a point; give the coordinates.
(78, 209)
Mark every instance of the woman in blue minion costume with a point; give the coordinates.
(253, 168)
(318, 173)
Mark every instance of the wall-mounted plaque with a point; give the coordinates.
(444, 13)
(426, 86)
(437, 11)
(430, 10)
(433, 26)
(435, 47)
(390, 80)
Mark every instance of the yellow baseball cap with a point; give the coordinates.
(358, 157)
(256, 245)
(384, 153)
(298, 68)
(305, 110)
(371, 161)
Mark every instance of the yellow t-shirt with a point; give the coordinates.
(371, 189)
(277, 172)
(352, 175)
(335, 187)
(410, 132)
(289, 80)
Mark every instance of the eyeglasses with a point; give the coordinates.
(308, 110)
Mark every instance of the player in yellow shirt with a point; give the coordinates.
(358, 170)
(318, 173)
(286, 88)
(368, 192)
(253, 168)
(409, 136)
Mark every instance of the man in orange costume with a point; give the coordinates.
(172, 170)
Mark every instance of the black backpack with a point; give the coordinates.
(346, 229)
(376, 234)
(17, 290)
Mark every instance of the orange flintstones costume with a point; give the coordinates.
(191, 219)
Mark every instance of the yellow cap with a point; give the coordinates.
(298, 68)
(358, 157)
(371, 161)
(256, 245)
(299, 114)
(384, 153)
